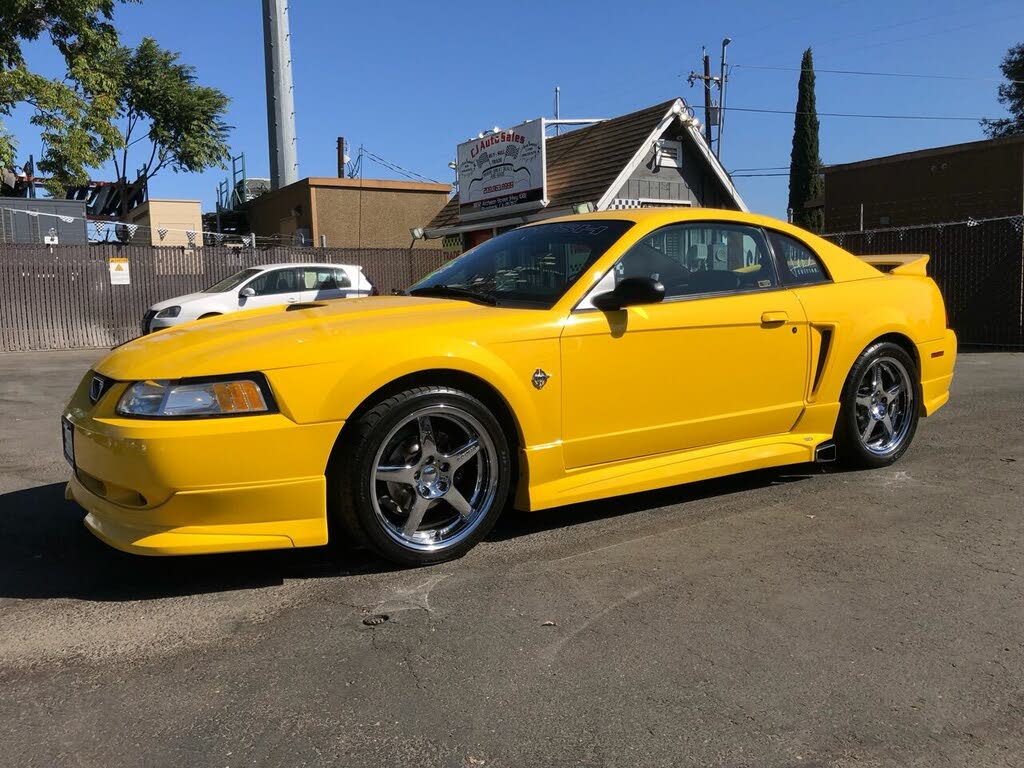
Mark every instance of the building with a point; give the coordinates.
(176, 217)
(33, 220)
(347, 213)
(654, 157)
(979, 179)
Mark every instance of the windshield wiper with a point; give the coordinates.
(454, 292)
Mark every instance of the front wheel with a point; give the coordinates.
(422, 476)
(880, 407)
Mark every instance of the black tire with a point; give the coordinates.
(890, 423)
(369, 515)
(209, 314)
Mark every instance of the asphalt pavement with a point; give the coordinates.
(792, 617)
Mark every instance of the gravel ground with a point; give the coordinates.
(793, 617)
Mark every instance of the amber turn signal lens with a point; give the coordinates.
(239, 397)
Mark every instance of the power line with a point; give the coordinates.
(879, 74)
(751, 170)
(856, 114)
(756, 175)
(397, 168)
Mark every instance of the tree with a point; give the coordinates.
(74, 114)
(111, 98)
(805, 182)
(1011, 95)
(160, 102)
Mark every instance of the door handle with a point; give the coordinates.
(292, 300)
(774, 318)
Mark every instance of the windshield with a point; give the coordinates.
(528, 267)
(233, 282)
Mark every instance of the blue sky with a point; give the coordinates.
(410, 80)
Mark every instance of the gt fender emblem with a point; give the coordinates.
(540, 378)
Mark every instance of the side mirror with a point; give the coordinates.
(245, 293)
(630, 292)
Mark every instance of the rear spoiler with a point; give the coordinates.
(899, 263)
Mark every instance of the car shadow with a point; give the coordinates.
(517, 524)
(46, 552)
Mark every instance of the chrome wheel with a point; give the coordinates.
(884, 406)
(435, 477)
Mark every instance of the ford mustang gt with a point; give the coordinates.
(569, 360)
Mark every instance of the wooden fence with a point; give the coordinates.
(62, 297)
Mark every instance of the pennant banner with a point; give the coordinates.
(132, 228)
(100, 228)
(162, 232)
(66, 219)
(191, 237)
(246, 240)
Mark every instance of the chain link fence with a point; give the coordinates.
(61, 297)
(978, 265)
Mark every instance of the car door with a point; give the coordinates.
(281, 285)
(722, 358)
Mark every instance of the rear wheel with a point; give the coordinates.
(880, 407)
(422, 476)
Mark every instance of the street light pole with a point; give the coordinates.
(721, 96)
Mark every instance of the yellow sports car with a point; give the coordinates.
(570, 360)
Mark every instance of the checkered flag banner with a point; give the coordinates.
(512, 151)
(191, 237)
(246, 240)
(66, 219)
(131, 230)
(971, 222)
(99, 228)
(218, 237)
(839, 239)
(162, 232)
(33, 214)
(870, 236)
(901, 231)
(1017, 222)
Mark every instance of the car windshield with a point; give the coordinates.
(234, 281)
(528, 267)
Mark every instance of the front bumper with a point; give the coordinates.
(167, 487)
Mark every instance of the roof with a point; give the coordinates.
(918, 154)
(582, 164)
(302, 264)
(393, 184)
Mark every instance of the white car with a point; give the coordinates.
(264, 286)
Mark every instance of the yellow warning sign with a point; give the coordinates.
(120, 273)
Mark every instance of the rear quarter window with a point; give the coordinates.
(798, 264)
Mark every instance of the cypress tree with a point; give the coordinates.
(805, 181)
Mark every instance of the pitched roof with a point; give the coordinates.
(583, 163)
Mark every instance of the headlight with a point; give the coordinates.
(232, 396)
(169, 312)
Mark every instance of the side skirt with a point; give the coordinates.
(667, 469)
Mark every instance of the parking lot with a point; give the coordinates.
(793, 617)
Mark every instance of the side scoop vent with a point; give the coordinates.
(304, 305)
(826, 342)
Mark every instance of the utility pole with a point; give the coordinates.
(558, 112)
(709, 106)
(280, 98)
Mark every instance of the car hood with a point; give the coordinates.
(305, 334)
(178, 301)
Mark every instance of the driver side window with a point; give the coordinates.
(275, 282)
(701, 258)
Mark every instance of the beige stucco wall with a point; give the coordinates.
(351, 213)
(176, 216)
(283, 211)
(378, 214)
